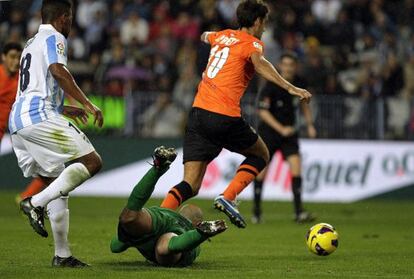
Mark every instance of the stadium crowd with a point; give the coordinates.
(362, 49)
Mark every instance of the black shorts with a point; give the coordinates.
(275, 141)
(208, 132)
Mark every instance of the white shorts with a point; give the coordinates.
(44, 148)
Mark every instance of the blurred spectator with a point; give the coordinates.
(94, 32)
(134, 28)
(165, 43)
(341, 32)
(77, 48)
(227, 9)
(116, 16)
(33, 24)
(311, 27)
(315, 70)
(185, 27)
(332, 86)
(163, 119)
(287, 26)
(393, 77)
(326, 11)
(212, 19)
(272, 50)
(408, 91)
(160, 19)
(15, 28)
(161, 66)
(361, 50)
(186, 55)
(86, 9)
(185, 88)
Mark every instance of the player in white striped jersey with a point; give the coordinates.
(45, 143)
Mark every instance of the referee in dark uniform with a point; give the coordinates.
(277, 112)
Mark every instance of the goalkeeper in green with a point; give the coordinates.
(161, 235)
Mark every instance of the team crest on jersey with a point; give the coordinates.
(258, 46)
(60, 48)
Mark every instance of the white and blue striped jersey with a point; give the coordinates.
(39, 96)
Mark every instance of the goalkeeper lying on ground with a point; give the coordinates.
(161, 235)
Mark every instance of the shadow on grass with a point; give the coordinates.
(149, 266)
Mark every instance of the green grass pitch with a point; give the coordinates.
(376, 241)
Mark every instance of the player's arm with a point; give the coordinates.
(75, 113)
(205, 35)
(267, 117)
(264, 68)
(307, 113)
(270, 120)
(66, 81)
(170, 245)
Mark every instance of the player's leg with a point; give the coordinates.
(272, 144)
(257, 157)
(193, 176)
(170, 246)
(58, 213)
(257, 197)
(301, 215)
(133, 220)
(29, 168)
(199, 150)
(34, 187)
(52, 144)
(294, 162)
(77, 172)
(162, 159)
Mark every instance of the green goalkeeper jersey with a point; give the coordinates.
(163, 221)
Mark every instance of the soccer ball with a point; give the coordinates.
(322, 239)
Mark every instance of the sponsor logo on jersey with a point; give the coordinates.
(258, 46)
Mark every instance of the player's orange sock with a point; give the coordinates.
(245, 174)
(177, 195)
(248, 170)
(33, 188)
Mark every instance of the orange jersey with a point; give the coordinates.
(228, 71)
(8, 89)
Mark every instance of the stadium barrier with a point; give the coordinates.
(335, 117)
(333, 171)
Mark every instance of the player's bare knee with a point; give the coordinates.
(93, 163)
(266, 155)
(264, 152)
(126, 219)
(96, 164)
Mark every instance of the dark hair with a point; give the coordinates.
(11, 46)
(249, 11)
(290, 55)
(52, 9)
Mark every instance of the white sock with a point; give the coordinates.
(58, 213)
(73, 176)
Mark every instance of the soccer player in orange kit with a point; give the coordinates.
(9, 74)
(215, 120)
